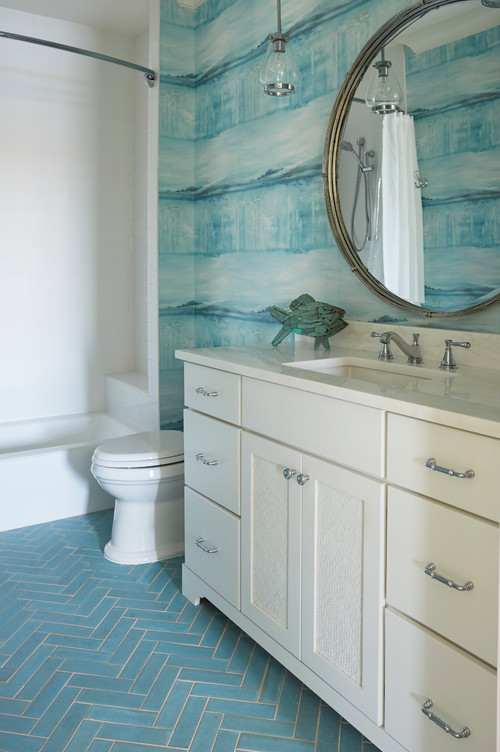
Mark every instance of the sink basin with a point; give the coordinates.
(368, 371)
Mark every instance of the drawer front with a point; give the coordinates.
(411, 443)
(212, 392)
(339, 431)
(421, 667)
(212, 545)
(211, 459)
(463, 549)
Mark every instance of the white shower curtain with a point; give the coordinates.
(403, 245)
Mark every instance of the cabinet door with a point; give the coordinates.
(343, 582)
(270, 539)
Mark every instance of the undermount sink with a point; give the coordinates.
(368, 371)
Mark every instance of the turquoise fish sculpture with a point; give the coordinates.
(311, 318)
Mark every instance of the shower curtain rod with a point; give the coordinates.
(149, 75)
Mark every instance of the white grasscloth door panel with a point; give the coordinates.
(343, 581)
(270, 539)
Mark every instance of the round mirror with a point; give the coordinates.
(412, 159)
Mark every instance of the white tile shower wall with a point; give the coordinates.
(140, 270)
(128, 400)
(152, 136)
(67, 237)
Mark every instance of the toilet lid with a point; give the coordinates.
(148, 449)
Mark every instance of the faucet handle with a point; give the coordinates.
(448, 361)
(385, 351)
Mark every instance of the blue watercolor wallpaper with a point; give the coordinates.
(242, 220)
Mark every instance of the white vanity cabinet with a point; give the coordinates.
(327, 529)
(311, 531)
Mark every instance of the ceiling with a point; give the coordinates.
(127, 17)
(448, 24)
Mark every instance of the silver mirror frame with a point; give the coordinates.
(333, 150)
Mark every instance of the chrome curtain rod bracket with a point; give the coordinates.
(149, 75)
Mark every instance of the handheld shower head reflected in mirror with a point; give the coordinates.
(347, 146)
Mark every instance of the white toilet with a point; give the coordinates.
(145, 474)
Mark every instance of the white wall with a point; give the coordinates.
(145, 117)
(68, 228)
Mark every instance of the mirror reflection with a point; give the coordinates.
(419, 162)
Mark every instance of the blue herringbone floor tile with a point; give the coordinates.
(95, 657)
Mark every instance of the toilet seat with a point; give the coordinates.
(149, 449)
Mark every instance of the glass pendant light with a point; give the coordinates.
(279, 72)
(383, 94)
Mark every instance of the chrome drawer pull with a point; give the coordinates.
(462, 734)
(200, 543)
(201, 458)
(201, 390)
(288, 473)
(431, 464)
(302, 479)
(431, 571)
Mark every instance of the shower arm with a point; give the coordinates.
(149, 75)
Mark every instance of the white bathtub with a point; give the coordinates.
(45, 467)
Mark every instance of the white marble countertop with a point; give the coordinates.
(468, 398)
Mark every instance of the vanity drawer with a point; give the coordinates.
(213, 392)
(463, 549)
(411, 443)
(212, 545)
(421, 667)
(342, 432)
(211, 459)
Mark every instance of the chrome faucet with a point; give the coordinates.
(411, 351)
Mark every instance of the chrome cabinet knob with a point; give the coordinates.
(289, 473)
(302, 479)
